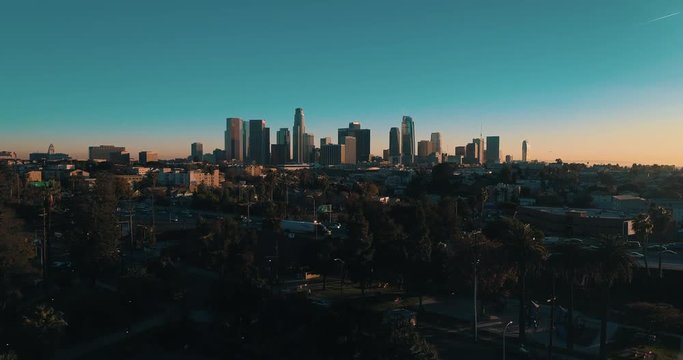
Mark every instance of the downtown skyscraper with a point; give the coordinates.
(259, 142)
(284, 138)
(233, 139)
(362, 143)
(493, 150)
(298, 132)
(395, 145)
(436, 142)
(525, 150)
(407, 140)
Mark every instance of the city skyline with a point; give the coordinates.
(598, 73)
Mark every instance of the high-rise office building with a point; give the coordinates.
(424, 148)
(332, 154)
(436, 142)
(298, 132)
(460, 150)
(279, 154)
(325, 141)
(104, 152)
(395, 145)
(245, 141)
(479, 156)
(284, 138)
(257, 141)
(219, 155)
(493, 150)
(233, 139)
(362, 140)
(471, 153)
(197, 151)
(145, 157)
(407, 140)
(525, 150)
(350, 154)
(308, 147)
(508, 159)
(266, 145)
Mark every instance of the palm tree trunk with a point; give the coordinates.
(570, 315)
(647, 267)
(522, 305)
(603, 324)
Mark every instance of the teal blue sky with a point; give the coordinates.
(581, 80)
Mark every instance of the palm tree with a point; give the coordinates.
(613, 264)
(572, 263)
(526, 251)
(644, 226)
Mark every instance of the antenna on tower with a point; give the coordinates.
(481, 129)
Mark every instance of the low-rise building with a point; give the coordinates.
(577, 222)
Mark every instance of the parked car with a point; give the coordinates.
(397, 316)
(636, 255)
(674, 246)
(633, 245)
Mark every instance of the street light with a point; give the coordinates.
(552, 322)
(504, 331)
(476, 338)
(665, 251)
(341, 274)
(315, 221)
(475, 264)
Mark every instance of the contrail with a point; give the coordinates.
(663, 17)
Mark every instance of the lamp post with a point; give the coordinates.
(341, 274)
(552, 301)
(476, 338)
(475, 265)
(315, 221)
(504, 331)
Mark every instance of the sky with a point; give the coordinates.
(590, 81)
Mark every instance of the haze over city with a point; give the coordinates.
(582, 81)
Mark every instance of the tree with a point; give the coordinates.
(643, 226)
(16, 252)
(613, 264)
(526, 251)
(573, 264)
(95, 235)
(360, 249)
(418, 252)
(663, 223)
(46, 324)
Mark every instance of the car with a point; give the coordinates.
(656, 248)
(321, 303)
(572, 241)
(674, 246)
(397, 316)
(636, 255)
(633, 245)
(332, 226)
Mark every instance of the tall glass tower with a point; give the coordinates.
(408, 140)
(298, 136)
